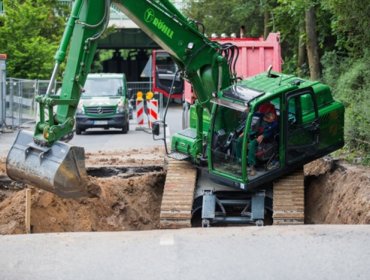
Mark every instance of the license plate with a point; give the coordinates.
(100, 122)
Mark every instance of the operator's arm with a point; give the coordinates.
(270, 130)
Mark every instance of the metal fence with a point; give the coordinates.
(2, 105)
(135, 87)
(19, 101)
(2, 90)
(19, 108)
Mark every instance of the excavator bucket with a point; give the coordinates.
(59, 169)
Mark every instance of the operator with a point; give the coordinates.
(266, 131)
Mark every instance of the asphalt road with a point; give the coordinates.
(285, 252)
(97, 139)
(94, 140)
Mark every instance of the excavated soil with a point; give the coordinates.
(131, 192)
(337, 193)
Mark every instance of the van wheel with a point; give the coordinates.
(126, 128)
(78, 130)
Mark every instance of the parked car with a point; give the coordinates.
(104, 103)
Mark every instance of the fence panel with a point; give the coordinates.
(20, 102)
(21, 109)
(2, 105)
(135, 87)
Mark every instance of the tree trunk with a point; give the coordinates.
(312, 47)
(302, 54)
(266, 18)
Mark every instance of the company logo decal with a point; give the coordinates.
(149, 17)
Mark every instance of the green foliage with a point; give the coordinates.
(228, 16)
(287, 19)
(30, 36)
(357, 155)
(350, 81)
(351, 24)
(100, 57)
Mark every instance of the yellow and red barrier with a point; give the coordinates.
(148, 107)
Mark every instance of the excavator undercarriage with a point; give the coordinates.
(191, 198)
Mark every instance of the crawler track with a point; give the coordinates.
(288, 199)
(178, 195)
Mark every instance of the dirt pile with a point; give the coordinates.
(337, 193)
(130, 202)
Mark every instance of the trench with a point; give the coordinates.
(131, 197)
(122, 171)
(8, 184)
(130, 200)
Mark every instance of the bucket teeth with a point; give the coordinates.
(59, 169)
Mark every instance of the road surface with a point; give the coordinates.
(285, 252)
(94, 140)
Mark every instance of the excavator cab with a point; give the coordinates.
(309, 124)
(235, 128)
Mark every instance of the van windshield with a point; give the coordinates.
(103, 87)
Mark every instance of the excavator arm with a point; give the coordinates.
(87, 22)
(40, 159)
(200, 59)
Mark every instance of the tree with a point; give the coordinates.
(346, 69)
(311, 44)
(30, 35)
(302, 54)
(228, 16)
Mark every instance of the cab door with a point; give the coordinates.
(302, 126)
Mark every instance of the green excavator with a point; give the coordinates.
(221, 169)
